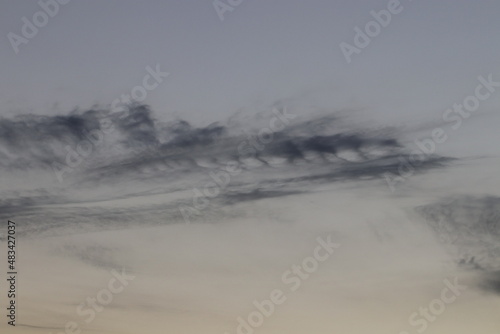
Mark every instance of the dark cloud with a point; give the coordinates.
(138, 138)
(470, 225)
(257, 194)
(183, 135)
(137, 127)
(491, 283)
(14, 201)
(135, 148)
(464, 215)
(94, 255)
(333, 144)
(28, 141)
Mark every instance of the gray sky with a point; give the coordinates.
(90, 52)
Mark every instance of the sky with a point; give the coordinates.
(90, 53)
(256, 143)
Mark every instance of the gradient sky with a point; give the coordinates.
(92, 51)
(323, 173)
